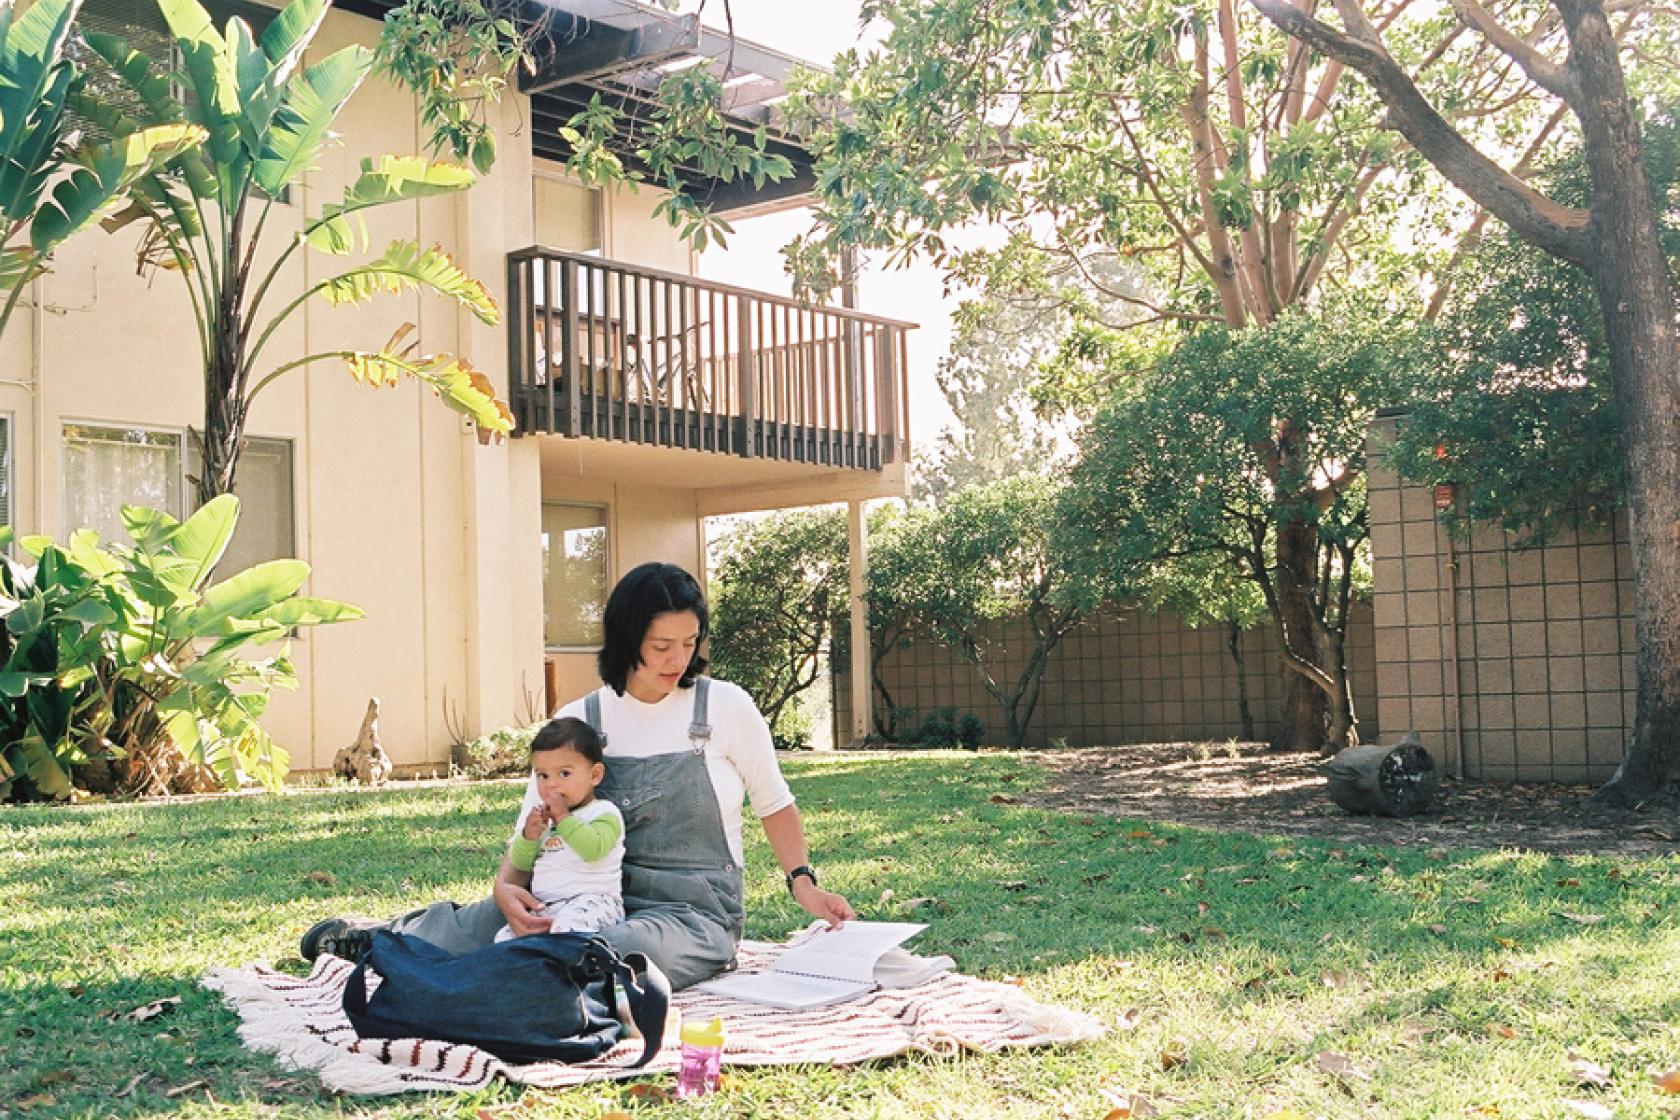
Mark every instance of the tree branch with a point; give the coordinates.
(1542, 71)
(1560, 230)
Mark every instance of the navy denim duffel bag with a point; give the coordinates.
(546, 997)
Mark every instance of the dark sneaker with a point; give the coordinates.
(349, 938)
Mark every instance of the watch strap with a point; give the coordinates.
(804, 870)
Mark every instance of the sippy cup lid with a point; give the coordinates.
(703, 1034)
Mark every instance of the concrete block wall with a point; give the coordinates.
(1122, 677)
(1517, 661)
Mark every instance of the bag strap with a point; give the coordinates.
(592, 714)
(644, 988)
(699, 731)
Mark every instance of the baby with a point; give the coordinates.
(573, 842)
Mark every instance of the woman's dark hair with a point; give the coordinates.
(570, 733)
(646, 592)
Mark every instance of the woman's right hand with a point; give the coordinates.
(521, 909)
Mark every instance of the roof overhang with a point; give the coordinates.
(620, 51)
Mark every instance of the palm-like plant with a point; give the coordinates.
(267, 117)
(36, 84)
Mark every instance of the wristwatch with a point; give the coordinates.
(803, 869)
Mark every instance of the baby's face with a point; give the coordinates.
(564, 777)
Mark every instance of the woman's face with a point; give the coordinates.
(667, 648)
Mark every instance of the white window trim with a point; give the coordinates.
(8, 458)
(609, 523)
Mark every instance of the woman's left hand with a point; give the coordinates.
(831, 907)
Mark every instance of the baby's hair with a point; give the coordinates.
(568, 731)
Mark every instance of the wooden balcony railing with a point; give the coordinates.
(606, 350)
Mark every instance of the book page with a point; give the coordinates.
(784, 989)
(847, 953)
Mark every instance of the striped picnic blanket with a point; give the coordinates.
(301, 1021)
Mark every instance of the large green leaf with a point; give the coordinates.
(149, 82)
(208, 65)
(290, 32)
(460, 387)
(204, 537)
(300, 610)
(250, 592)
(34, 79)
(106, 171)
(389, 179)
(405, 266)
(305, 118)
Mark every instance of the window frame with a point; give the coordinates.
(188, 495)
(605, 509)
(553, 173)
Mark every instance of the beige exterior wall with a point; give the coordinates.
(397, 507)
(1520, 660)
(1122, 677)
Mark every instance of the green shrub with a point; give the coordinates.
(123, 669)
(944, 728)
(505, 752)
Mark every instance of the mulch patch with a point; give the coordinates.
(1245, 787)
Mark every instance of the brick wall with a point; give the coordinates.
(1123, 677)
(1525, 657)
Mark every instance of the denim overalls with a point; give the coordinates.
(682, 888)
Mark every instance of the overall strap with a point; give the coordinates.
(699, 731)
(592, 713)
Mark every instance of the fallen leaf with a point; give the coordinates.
(1003, 799)
(133, 1082)
(1584, 919)
(1585, 1071)
(1175, 1056)
(1485, 1110)
(183, 1090)
(1129, 1107)
(486, 1114)
(37, 1100)
(648, 1092)
(55, 1077)
(937, 904)
(1339, 1065)
(1571, 882)
(153, 1010)
(1139, 834)
(1212, 931)
(1592, 1110)
(1500, 1030)
(1129, 1019)
(1667, 1082)
(1505, 943)
(1013, 884)
(604, 1115)
(325, 878)
(1499, 974)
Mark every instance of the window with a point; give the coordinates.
(574, 559)
(566, 215)
(267, 528)
(106, 468)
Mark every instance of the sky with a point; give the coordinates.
(817, 32)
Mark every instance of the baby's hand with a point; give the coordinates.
(557, 810)
(536, 822)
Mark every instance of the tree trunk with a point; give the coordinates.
(1304, 710)
(1638, 301)
(1344, 725)
(1233, 638)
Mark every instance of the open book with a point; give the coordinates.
(832, 966)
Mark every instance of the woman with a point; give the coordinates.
(682, 752)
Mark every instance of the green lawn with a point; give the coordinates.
(1230, 970)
